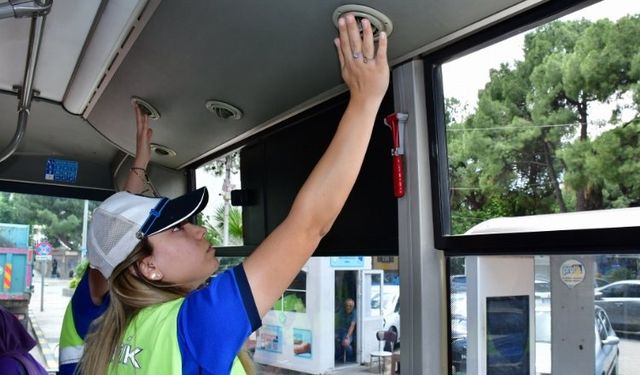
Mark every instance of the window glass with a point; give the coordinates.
(614, 291)
(346, 300)
(495, 277)
(633, 291)
(546, 122)
(222, 220)
(295, 296)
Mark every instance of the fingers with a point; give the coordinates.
(354, 36)
(345, 45)
(336, 41)
(381, 56)
(368, 50)
(142, 119)
(354, 45)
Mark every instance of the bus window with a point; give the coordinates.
(532, 127)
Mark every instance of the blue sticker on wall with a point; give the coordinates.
(347, 262)
(59, 170)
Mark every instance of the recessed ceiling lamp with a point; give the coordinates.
(146, 107)
(224, 111)
(379, 22)
(163, 151)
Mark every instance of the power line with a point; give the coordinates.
(514, 127)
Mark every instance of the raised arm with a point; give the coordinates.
(136, 179)
(276, 261)
(98, 285)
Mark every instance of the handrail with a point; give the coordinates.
(24, 8)
(38, 10)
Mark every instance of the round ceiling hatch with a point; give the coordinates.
(379, 22)
(224, 111)
(147, 108)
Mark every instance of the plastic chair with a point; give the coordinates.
(388, 337)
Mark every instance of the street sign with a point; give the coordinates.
(43, 248)
(44, 257)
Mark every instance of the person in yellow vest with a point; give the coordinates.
(166, 316)
(90, 299)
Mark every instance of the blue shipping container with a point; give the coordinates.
(14, 235)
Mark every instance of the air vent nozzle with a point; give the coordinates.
(162, 151)
(224, 111)
(379, 22)
(146, 107)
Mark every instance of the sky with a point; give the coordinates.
(463, 77)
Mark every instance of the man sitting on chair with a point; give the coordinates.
(345, 325)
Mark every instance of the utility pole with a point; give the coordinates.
(85, 220)
(226, 195)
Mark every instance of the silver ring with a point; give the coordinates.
(357, 55)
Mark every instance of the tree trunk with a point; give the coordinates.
(581, 204)
(552, 174)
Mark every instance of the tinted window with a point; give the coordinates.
(615, 291)
(633, 291)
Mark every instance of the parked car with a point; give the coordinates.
(391, 308)
(599, 282)
(458, 283)
(621, 301)
(542, 290)
(607, 351)
(458, 343)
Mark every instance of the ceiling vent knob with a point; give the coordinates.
(146, 107)
(163, 151)
(224, 111)
(379, 22)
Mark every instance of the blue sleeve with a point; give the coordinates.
(83, 309)
(214, 322)
(67, 369)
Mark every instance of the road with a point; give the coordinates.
(47, 323)
(629, 362)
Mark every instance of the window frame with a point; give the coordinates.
(621, 240)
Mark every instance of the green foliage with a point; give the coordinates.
(215, 226)
(60, 218)
(525, 150)
(617, 274)
(78, 272)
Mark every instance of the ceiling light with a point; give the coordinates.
(146, 107)
(163, 151)
(379, 22)
(224, 111)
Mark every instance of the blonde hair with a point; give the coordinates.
(129, 292)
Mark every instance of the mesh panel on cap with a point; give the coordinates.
(108, 230)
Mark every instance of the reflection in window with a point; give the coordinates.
(294, 298)
(553, 125)
(222, 220)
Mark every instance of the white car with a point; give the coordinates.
(391, 308)
(607, 352)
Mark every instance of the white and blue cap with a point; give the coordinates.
(123, 219)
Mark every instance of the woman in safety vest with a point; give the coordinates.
(164, 318)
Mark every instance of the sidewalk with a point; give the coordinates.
(47, 323)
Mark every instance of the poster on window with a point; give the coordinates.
(508, 335)
(302, 343)
(270, 339)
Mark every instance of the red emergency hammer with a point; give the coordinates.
(396, 122)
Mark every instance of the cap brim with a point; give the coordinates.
(180, 209)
